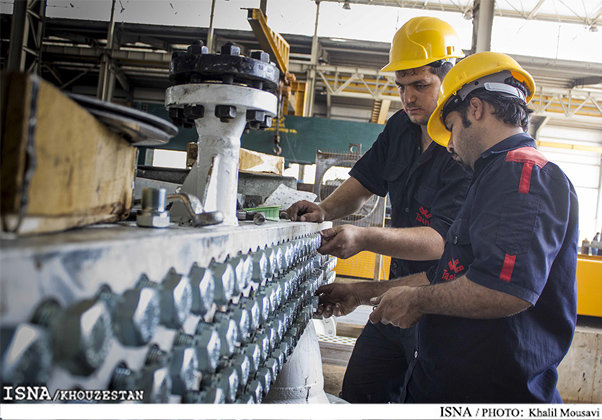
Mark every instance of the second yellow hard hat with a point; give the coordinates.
(420, 41)
(470, 73)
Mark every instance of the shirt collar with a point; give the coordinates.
(504, 146)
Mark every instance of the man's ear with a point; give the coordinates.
(477, 108)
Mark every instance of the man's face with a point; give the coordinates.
(418, 90)
(464, 140)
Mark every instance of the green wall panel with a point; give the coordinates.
(300, 137)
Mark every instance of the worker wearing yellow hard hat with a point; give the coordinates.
(492, 71)
(498, 314)
(421, 41)
(426, 188)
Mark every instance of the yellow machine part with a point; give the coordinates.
(589, 285)
(589, 277)
(362, 265)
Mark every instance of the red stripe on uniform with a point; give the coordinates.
(527, 154)
(529, 157)
(525, 178)
(508, 267)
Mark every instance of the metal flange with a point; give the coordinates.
(229, 67)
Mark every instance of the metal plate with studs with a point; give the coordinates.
(112, 307)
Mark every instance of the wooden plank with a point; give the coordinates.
(256, 162)
(349, 330)
(83, 171)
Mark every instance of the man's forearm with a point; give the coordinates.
(466, 299)
(368, 289)
(416, 243)
(348, 198)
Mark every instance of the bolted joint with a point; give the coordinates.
(260, 55)
(208, 346)
(224, 278)
(123, 378)
(225, 112)
(255, 115)
(253, 352)
(183, 368)
(153, 213)
(203, 289)
(230, 49)
(175, 299)
(183, 339)
(46, 312)
(242, 365)
(136, 315)
(267, 122)
(153, 199)
(156, 356)
(255, 118)
(227, 332)
(264, 377)
(193, 112)
(177, 116)
(256, 390)
(197, 47)
(26, 354)
(156, 384)
(82, 335)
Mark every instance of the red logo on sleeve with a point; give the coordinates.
(454, 268)
(423, 215)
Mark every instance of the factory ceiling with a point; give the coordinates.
(347, 72)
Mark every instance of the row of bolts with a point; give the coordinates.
(266, 264)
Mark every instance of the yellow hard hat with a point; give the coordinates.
(489, 70)
(420, 41)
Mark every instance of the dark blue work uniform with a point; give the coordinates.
(516, 233)
(425, 189)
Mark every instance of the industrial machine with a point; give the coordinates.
(187, 304)
(365, 264)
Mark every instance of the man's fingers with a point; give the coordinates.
(313, 216)
(375, 300)
(292, 211)
(327, 288)
(328, 233)
(376, 315)
(327, 312)
(338, 310)
(302, 211)
(326, 248)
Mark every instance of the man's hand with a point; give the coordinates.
(336, 299)
(305, 211)
(396, 306)
(343, 241)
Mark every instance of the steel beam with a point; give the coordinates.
(26, 35)
(269, 40)
(482, 24)
(457, 7)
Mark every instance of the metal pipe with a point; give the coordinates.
(18, 37)
(105, 83)
(482, 24)
(599, 201)
(311, 76)
(301, 380)
(210, 33)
